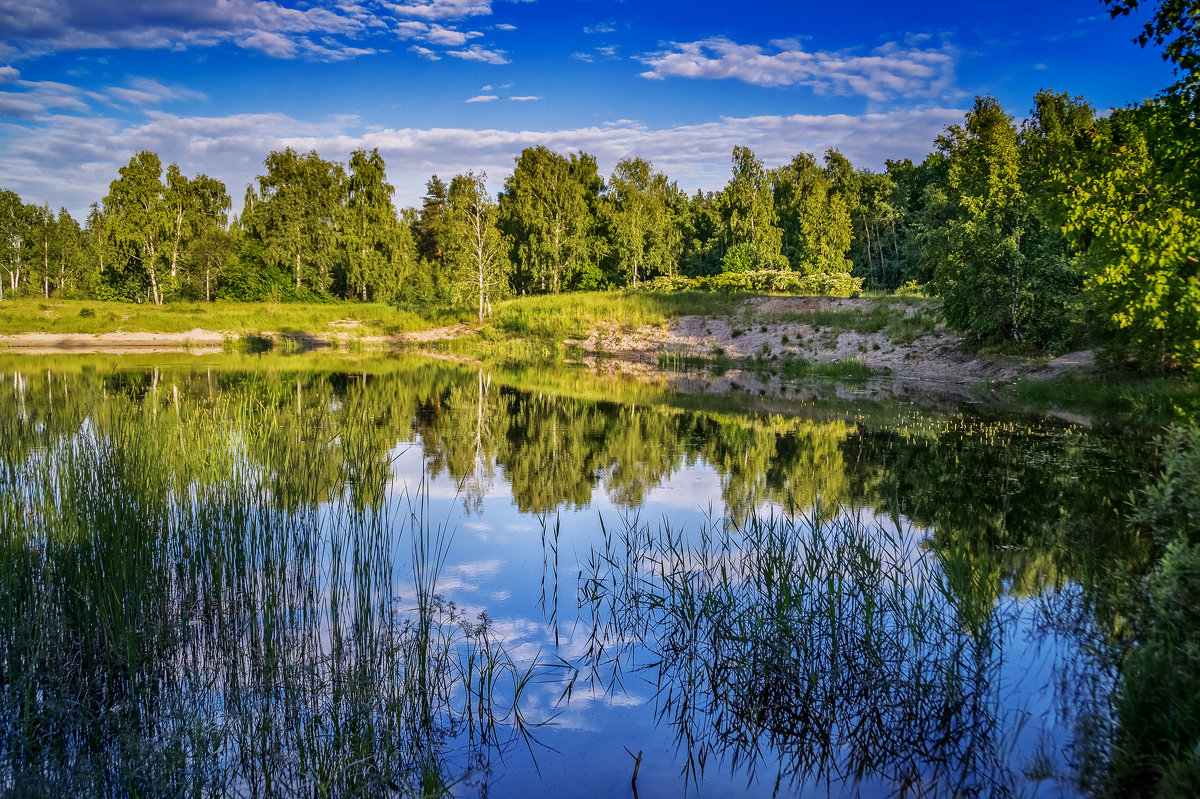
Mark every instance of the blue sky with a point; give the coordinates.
(446, 86)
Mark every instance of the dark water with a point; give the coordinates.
(298, 577)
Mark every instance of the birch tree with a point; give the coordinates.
(547, 210)
(138, 218)
(645, 237)
(369, 226)
(477, 250)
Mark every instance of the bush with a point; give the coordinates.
(765, 281)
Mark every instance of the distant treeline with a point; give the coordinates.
(1036, 236)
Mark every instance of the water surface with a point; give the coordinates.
(274, 576)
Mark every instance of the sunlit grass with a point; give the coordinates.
(902, 319)
(575, 316)
(91, 316)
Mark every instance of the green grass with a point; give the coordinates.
(575, 316)
(30, 315)
(901, 319)
(1158, 397)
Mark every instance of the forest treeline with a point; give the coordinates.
(1037, 236)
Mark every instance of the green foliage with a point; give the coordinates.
(371, 237)
(1131, 209)
(768, 281)
(813, 218)
(294, 217)
(1175, 24)
(139, 219)
(1157, 749)
(1004, 276)
(548, 210)
(644, 237)
(476, 254)
(746, 208)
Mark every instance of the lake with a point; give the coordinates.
(371, 575)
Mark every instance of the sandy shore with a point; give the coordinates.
(121, 342)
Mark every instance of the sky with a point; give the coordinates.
(446, 86)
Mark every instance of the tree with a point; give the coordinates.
(42, 241)
(477, 251)
(294, 216)
(14, 229)
(209, 254)
(747, 208)
(1175, 26)
(1131, 213)
(1131, 206)
(1002, 277)
(369, 227)
(700, 228)
(547, 210)
(813, 218)
(197, 207)
(433, 204)
(70, 255)
(644, 235)
(138, 218)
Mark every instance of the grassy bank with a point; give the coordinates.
(33, 315)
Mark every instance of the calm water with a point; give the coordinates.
(390, 577)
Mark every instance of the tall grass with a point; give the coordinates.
(169, 627)
(822, 649)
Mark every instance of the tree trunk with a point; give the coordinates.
(153, 278)
(178, 235)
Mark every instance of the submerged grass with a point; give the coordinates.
(1146, 398)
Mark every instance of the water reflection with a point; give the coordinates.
(175, 627)
(212, 579)
(818, 651)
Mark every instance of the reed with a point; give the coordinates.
(823, 648)
(174, 621)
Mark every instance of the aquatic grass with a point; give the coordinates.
(169, 628)
(824, 648)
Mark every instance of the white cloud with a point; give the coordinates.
(525, 98)
(443, 9)
(36, 99)
(602, 27)
(145, 91)
(888, 72)
(482, 98)
(86, 153)
(482, 54)
(8, 75)
(425, 52)
(504, 26)
(48, 26)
